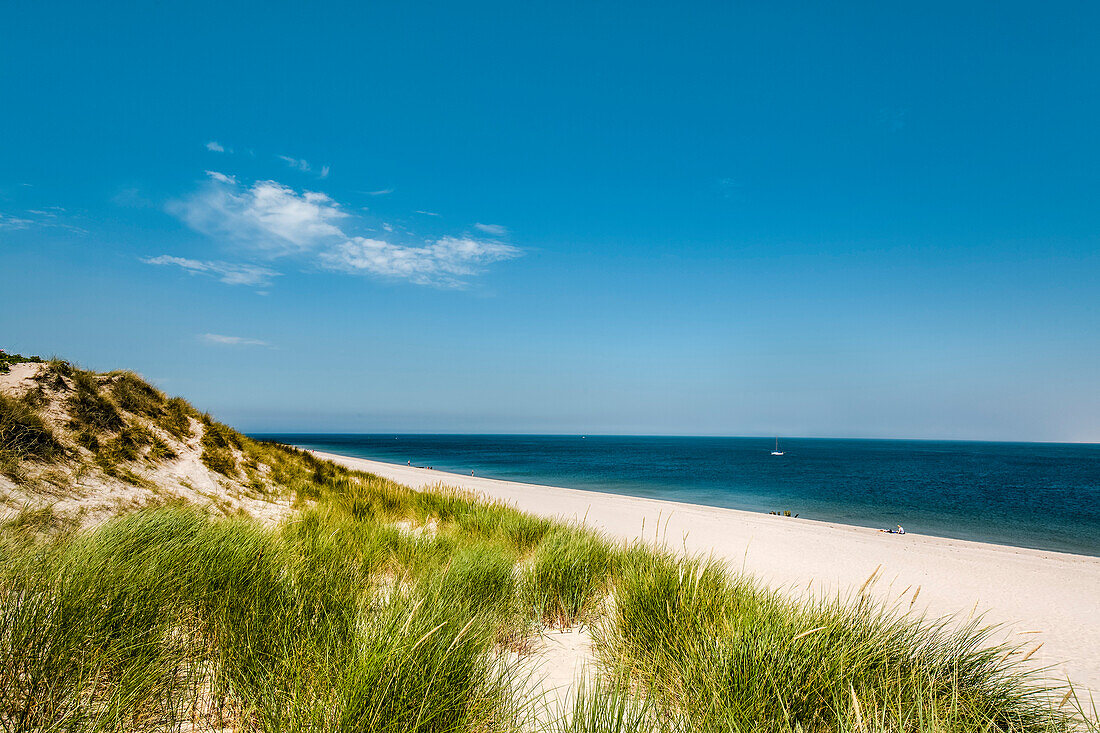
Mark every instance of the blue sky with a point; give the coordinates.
(857, 219)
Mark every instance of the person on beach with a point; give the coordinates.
(899, 530)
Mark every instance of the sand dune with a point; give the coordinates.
(1042, 597)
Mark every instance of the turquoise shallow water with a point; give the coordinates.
(1038, 495)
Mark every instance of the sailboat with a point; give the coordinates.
(777, 452)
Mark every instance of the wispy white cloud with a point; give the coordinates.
(273, 220)
(215, 147)
(496, 230)
(301, 164)
(229, 273)
(380, 192)
(14, 222)
(266, 216)
(51, 216)
(221, 177)
(426, 213)
(445, 262)
(217, 338)
(296, 163)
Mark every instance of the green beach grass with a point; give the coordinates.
(376, 607)
(338, 620)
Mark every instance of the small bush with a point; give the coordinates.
(6, 360)
(370, 498)
(444, 502)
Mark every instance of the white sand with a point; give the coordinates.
(559, 661)
(1043, 597)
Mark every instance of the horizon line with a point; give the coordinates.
(675, 435)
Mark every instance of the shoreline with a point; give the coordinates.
(1042, 498)
(1036, 596)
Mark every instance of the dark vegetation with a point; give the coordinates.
(6, 360)
(218, 445)
(90, 409)
(24, 436)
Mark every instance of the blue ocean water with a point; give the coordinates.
(1039, 495)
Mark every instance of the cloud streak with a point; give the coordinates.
(303, 165)
(227, 272)
(14, 222)
(446, 262)
(51, 216)
(496, 230)
(220, 340)
(221, 177)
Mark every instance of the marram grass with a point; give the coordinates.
(718, 652)
(375, 607)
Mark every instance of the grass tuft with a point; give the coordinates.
(133, 394)
(176, 418)
(568, 575)
(89, 408)
(218, 445)
(24, 435)
(725, 654)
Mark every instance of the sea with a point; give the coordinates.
(1038, 495)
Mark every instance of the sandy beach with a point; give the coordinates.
(1037, 597)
